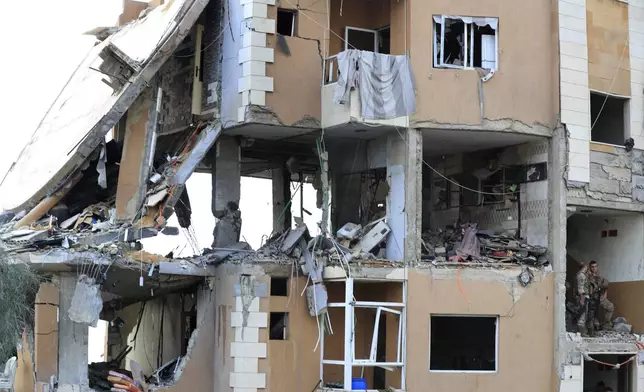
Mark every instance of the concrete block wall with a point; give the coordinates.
(636, 52)
(254, 55)
(575, 95)
(212, 59)
(246, 349)
(616, 176)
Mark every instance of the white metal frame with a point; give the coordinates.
(496, 344)
(350, 361)
(468, 46)
(633, 364)
(346, 37)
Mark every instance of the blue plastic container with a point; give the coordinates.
(358, 384)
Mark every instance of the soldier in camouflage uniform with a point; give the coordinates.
(581, 298)
(600, 309)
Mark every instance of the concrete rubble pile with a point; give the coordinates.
(85, 216)
(465, 243)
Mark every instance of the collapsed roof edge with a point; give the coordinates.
(187, 17)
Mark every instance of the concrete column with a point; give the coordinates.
(557, 216)
(282, 218)
(226, 177)
(72, 338)
(404, 202)
(46, 332)
(138, 150)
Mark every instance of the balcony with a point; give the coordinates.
(336, 115)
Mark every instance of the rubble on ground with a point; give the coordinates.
(465, 243)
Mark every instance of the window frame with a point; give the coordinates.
(293, 20)
(497, 320)
(468, 46)
(346, 37)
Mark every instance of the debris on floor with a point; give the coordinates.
(465, 243)
(621, 325)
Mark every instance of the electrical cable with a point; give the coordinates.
(610, 89)
(397, 129)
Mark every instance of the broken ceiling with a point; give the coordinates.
(98, 94)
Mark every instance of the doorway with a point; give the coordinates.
(600, 374)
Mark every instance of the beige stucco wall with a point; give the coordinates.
(525, 330)
(297, 77)
(292, 363)
(520, 90)
(607, 29)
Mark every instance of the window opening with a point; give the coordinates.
(465, 42)
(279, 287)
(285, 22)
(608, 124)
(600, 377)
(373, 347)
(384, 40)
(361, 39)
(463, 343)
(278, 321)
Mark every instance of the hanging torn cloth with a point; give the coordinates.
(385, 82)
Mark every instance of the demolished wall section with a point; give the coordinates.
(197, 372)
(497, 216)
(616, 178)
(176, 77)
(212, 56)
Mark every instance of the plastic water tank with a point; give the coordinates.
(358, 384)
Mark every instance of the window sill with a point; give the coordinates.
(465, 371)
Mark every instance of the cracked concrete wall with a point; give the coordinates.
(297, 75)
(616, 179)
(175, 77)
(197, 371)
(526, 325)
(450, 96)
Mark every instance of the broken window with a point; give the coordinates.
(608, 119)
(285, 22)
(463, 343)
(373, 314)
(465, 42)
(279, 287)
(279, 321)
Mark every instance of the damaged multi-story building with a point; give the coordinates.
(466, 165)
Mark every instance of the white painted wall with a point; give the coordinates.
(621, 258)
(575, 98)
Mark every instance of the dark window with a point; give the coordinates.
(463, 343)
(279, 287)
(612, 233)
(278, 321)
(607, 119)
(285, 22)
